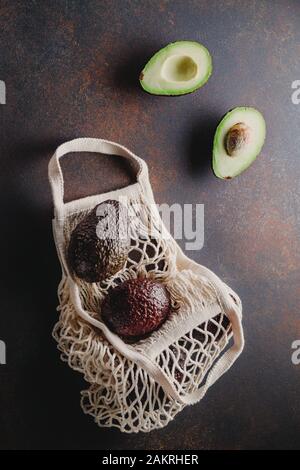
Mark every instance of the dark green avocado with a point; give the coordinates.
(136, 307)
(99, 244)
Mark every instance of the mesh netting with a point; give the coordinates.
(121, 393)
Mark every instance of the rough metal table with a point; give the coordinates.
(71, 70)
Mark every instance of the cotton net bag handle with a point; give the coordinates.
(86, 145)
(230, 308)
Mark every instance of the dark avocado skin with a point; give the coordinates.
(136, 307)
(94, 259)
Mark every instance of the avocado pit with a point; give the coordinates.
(237, 138)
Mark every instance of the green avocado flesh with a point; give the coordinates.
(179, 68)
(238, 140)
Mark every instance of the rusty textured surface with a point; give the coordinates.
(71, 70)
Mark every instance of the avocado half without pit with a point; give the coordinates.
(238, 141)
(179, 68)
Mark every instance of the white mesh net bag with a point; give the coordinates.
(141, 386)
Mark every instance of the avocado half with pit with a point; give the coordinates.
(179, 68)
(238, 141)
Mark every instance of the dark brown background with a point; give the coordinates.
(71, 70)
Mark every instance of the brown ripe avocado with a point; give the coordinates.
(136, 307)
(93, 256)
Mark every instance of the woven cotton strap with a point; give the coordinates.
(221, 366)
(86, 145)
(229, 307)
